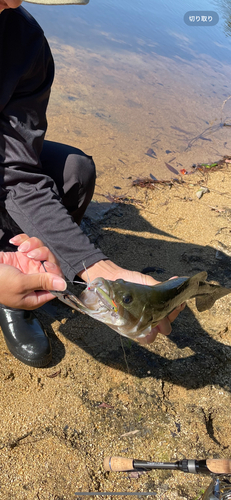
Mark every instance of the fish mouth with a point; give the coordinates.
(97, 297)
(106, 299)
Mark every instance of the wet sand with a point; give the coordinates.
(118, 107)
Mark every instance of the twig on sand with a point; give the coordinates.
(222, 107)
(129, 433)
(128, 200)
(146, 182)
(13, 444)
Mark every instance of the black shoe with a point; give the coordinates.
(25, 337)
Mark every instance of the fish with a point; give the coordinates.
(132, 309)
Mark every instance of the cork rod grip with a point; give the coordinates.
(219, 466)
(118, 464)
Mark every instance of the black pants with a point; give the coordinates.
(74, 175)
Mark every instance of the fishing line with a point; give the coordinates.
(88, 277)
(77, 282)
(124, 353)
(132, 423)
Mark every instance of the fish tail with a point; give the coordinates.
(206, 301)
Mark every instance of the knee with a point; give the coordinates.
(80, 172)
(88, 171)
(79, 183)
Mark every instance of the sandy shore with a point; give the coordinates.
(106, 395)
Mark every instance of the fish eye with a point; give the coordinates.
(127, 299)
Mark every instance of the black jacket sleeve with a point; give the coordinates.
(31, 198)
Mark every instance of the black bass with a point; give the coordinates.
(133, 310)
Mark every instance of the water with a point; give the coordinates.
(137, 26)
(132, 77)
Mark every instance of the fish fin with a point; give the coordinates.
(200, 276)
(196, 280)
(205, 302)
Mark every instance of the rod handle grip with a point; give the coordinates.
(219, 465)
(118, 464)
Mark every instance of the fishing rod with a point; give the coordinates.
(209, 466)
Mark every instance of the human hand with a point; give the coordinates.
(108, 270)
(26, 283)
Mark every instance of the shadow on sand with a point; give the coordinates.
(209, 362)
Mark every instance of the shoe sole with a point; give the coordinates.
(37, 363)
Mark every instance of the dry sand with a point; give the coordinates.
(106, 395)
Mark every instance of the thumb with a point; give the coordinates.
(44, 281)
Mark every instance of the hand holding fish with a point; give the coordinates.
(136, 309)
(108, 270)
(22, 273)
